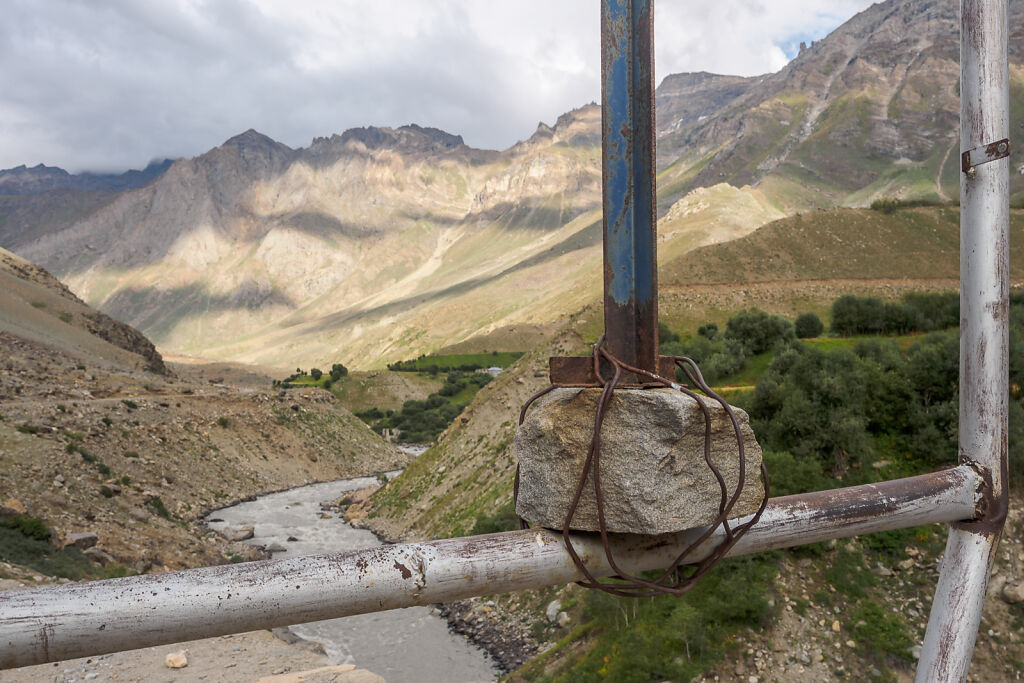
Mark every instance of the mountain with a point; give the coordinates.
(98, 435)
(365, 247)
(380, 244)
(871, 110)
(40, 178)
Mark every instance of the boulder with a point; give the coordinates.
(238, 533)
(99, 556)
(654, 478)
(1013, 593)
(12, 507)
(82, 541)
(176, 660)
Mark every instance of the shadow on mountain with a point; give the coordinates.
(158, 312)
(582, 239)
(525, 217)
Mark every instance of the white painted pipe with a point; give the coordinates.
(984, 329)
(75, 620)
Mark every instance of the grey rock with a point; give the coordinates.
(138, 514)
(82, 541)
(654, 478)
(1013, 593)
(552, 610)
(563, 619)
(98, 555)
(238, 533)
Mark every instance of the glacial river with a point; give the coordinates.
(411, 645)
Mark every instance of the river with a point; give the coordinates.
(411, 645)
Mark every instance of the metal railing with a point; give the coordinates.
(50, 624)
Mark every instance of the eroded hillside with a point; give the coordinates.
(94, 439)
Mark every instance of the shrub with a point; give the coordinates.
(28, 526)
(26, 428)
(757, 331)
(130, 404)
(338, 371)
(223, 421)
(708, 331)
(86, 455)
(158, 507)
(808, 326)
(504, 519)
(131, 454)
(886, 205)
(103, 469)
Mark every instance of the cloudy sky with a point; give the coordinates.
(112, 84)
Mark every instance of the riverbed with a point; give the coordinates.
(408, 645)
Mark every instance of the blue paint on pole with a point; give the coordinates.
(627, 98)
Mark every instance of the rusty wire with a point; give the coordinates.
(673, 580)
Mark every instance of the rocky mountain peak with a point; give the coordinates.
(409, 138)
(253, 141)
(22, 180)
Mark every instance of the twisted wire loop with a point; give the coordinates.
(680, 576)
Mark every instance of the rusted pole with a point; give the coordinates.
(627, 142)
(76, 620)
(984, 326)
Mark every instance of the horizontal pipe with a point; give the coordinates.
(76, 620)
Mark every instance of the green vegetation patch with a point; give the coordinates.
(669, 638)
(421, 421)
(466, 362)
(24, 540)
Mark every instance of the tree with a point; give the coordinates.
(316, 373)
(757, 331)
(808, 326)
(338, 371)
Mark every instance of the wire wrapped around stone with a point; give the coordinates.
(673, 580)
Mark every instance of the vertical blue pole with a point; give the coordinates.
(630, 252)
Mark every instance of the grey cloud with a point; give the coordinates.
(111, 84)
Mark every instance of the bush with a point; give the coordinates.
(28, 526)
(338, 371)
(788, 475)
(223, 421)
(665, 335)
(26, 428)
(130, 404)
(504, 519)
(757, 331)
(808, 326)
(158, 507)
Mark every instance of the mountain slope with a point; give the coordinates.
(92, 439)
(379, 243)
(870, 110)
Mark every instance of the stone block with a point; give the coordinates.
(654, 478)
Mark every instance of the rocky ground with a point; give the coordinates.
(137, 458)
(257, 656)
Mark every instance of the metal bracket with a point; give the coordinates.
(973, 158)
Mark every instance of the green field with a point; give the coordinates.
(501, 359)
